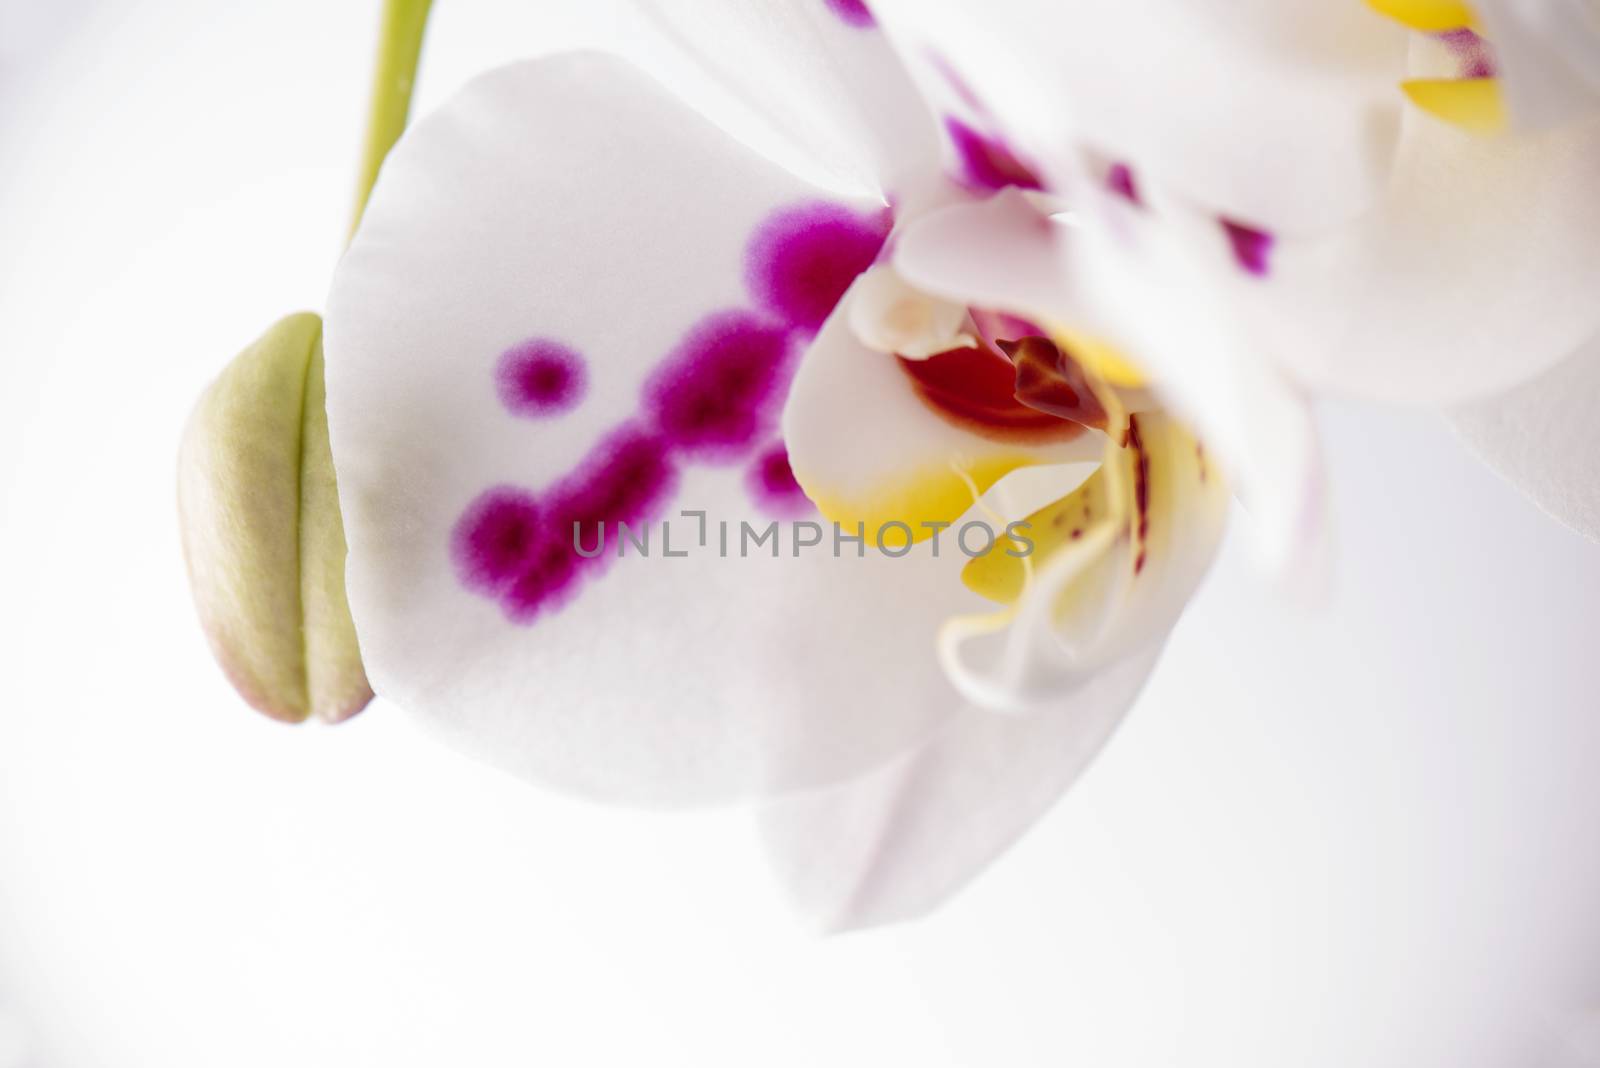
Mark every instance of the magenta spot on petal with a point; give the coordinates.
(773, 485)
(624, 480)
(549, 575)
(1251, 247)
(852, 12)
(718, 392)
(1119, 179)
(1475, 54)
(801, 259)
(986, 162)
(525, 552)
(540, 377)
(493, 538)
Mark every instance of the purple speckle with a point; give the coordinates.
(986, 163)
(624, 480)
(523, 551)
(718, 391)
(540, 378)
(492, 540)
(1251, 247)
(549, 576)
(1119, 179)
(801, 259)
(773, 485)
(1475, 54)
(852, 12)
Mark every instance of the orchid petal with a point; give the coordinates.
(1543, 437)
(1476, 271)
(1296, 134)
(813, 83)
(897, 842)
(566, 236)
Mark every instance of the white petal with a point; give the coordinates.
(812, 83)
(1281, 113)
(897, 842)
(1477, 271)
(572, 202)
(1548, 52)
(1545, 438)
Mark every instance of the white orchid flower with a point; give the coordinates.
(1391, 199)
(574, 301)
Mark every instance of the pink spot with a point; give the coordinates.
(624, 480)
(493, 539)
(852, 12)
(525, 552)
(773, 485)
(986, 162)
(717, 393)
(1475, 54)
(801, 259)
(1251, 247)
(549, 576)
(1119, 179)
(540, 377)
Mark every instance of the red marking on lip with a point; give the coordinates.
(1141, 492)
(975, 388)
(1047, 381)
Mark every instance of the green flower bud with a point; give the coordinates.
(262, 533)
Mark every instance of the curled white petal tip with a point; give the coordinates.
(888, 315)
(262, 534)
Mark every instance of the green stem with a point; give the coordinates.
(399, 46)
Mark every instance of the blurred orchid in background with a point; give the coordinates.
(1042, 267)
(1390, 200)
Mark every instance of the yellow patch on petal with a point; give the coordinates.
(1001, 574)
(1474, 104)
(1429, 16)
(1100, 359)
(936, 494)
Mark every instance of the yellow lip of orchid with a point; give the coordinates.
(1474, 104)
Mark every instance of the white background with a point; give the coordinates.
(1361, 837)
